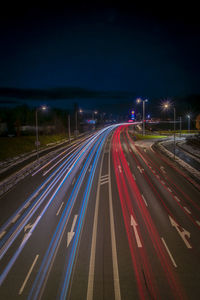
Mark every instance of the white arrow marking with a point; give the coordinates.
(71, 233)
(140, 169)
(183, 233)
(28, 226)
(134, 224)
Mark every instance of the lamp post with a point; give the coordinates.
(167, 106)
(188, 116)
(143, 117)
(36, 127)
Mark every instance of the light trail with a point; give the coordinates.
(150, 227)
(174, 195)
(33, 210)
(46, 265)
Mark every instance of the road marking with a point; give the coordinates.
(73, 181)
(162, 182)
(104, 182)
(183, 233)
(187, 210)
(120, 168)
(113, 242)
(71, 234)
(15, 218)
(170, 255)
(134, 224)
(152, 149)
(104, 179)
(169, 190)
(2, 234)
(27, 204)
(133, 176)
(198, 222)
(59, 209)
(90, 286)
(140, 169)
(163, 170)
(144, 200)
(177, 198)
(28, 226)
(104, 176)
(28, 275)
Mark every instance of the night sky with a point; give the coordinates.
(148, 51)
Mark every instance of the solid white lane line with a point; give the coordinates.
(15, 218)
(187, 210)
(170, 255)
(94, 238)
(113, 241)
(2, 234)
(59, 209)
(28, 275)
(144, 200)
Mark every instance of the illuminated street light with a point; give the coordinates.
(43, 107)
(188, 116)
(139, 100)
(167, 105)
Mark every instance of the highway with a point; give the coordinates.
(103, 219)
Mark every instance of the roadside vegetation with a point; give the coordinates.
(14, 146)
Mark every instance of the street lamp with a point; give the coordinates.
(36, 127)
(95, 112)
(139, 100)
(167, 105)
(188, 116)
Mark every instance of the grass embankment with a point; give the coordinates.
(170, 132)
(14, 146)
(147, 137)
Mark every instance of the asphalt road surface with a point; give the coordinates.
(104, 219)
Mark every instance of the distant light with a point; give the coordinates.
(96, 112)
(80, 111)
(188, 116)
(43, 107)
(138, 100)
(148, 116)
(130, 121)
